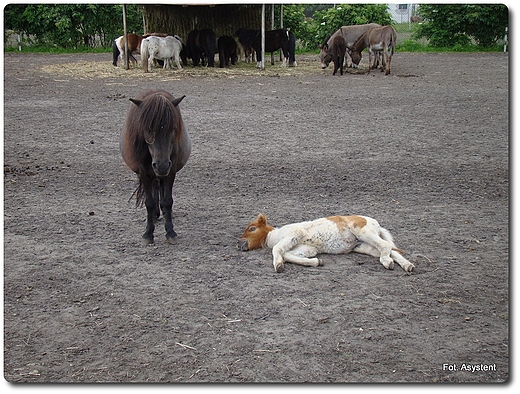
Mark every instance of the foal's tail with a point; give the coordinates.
(385, 234)
(144, 54)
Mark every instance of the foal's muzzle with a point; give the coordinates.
(243, 245)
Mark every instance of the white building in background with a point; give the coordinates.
(401, 13)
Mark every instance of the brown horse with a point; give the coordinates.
(155, 145)
(376, 40)
(118, 48)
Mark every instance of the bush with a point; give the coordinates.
(457, 25)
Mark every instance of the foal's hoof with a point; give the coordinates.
(279, 267)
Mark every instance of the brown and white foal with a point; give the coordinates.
(299, 243)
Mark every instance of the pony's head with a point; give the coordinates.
(160, 121)
(255, 235)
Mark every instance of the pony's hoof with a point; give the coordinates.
(171, 240)
(147, 241)
(279, 268)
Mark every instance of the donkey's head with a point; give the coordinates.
(255, 235)
(325, 55)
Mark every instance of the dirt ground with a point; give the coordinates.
(423, 150)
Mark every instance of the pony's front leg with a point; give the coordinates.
(151, 211)
(166, 206)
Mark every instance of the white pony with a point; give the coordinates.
(164, 48)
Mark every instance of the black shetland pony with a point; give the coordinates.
(227, 51)
(201, 47)
(155, 145)
(274, 40)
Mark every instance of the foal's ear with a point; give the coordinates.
(136, 102)
(177, 101)
(261, 219)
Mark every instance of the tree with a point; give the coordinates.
(331, 19)
(448, 25)
(71, 25)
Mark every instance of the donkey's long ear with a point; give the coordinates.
(136, 102)
(177, 101)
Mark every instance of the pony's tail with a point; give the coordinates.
(144, 55)
(115, 53)
(292, 49)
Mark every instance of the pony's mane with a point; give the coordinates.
(158, 115)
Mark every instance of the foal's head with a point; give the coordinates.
(255, 235)
(160, 122)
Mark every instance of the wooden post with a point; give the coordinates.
(127, 66)
(272, 28)
(262, 61)
(281, 27)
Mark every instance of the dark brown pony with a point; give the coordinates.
(118, 47)
(155, 145)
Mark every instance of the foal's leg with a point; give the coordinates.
(372, 238)
(282, 247)
(166, 202)
(394, 254)
(370, 250)
(303, 255)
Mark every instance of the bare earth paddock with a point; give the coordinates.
(423, 150)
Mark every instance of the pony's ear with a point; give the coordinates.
(136, 102)
(177, 101)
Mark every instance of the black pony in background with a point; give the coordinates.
(227, 51)
(201, 47)
(274, 39)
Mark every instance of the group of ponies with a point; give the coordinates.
(350, 41)
(201, 47)
(155, 48)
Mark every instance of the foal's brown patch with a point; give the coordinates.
(346, 222)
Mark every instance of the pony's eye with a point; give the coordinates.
(252, 228)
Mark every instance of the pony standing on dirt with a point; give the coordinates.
(155, 145)
(118, 47)
(167, 49)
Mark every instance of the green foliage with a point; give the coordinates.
(329, 20)
(325, 20)
(71, 25)
(456, 25)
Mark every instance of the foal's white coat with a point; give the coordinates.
(299, 243)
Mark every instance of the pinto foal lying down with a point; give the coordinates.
(299, 243)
